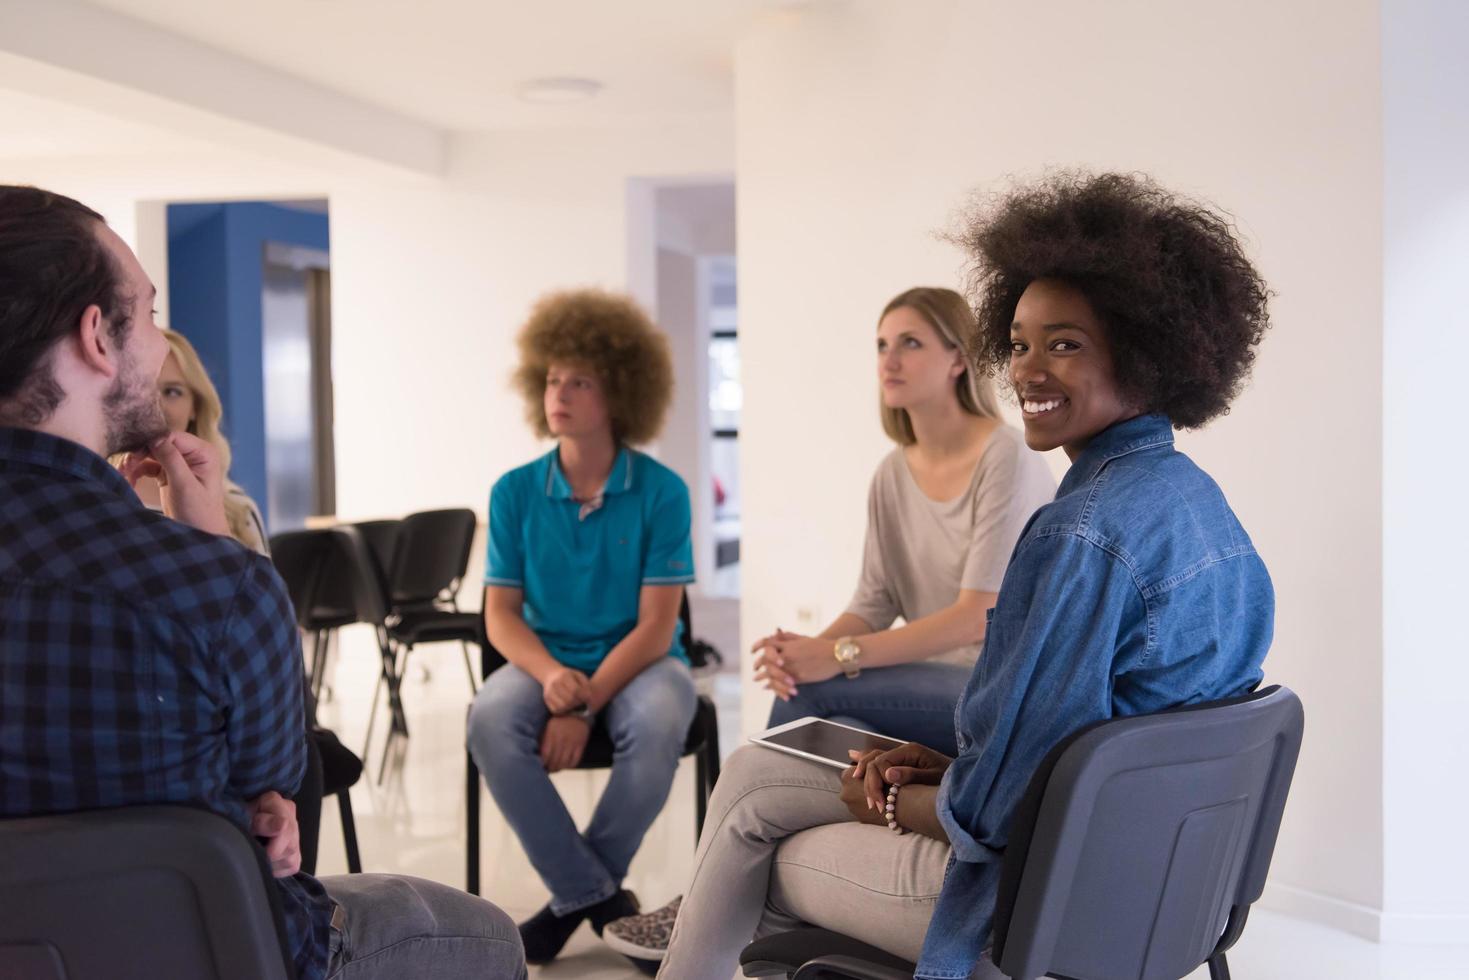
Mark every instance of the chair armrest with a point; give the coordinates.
(849, 968)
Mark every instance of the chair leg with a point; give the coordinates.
(469, 668)
(701, 792)
(319, 646)
(708, 775)
(377, 692)
(382, 766)
(471, 829)
(393, 677)
(349, 831)
(1218, 967)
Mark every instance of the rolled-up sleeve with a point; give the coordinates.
(1068, 608)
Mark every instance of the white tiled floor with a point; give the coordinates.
(414, 824)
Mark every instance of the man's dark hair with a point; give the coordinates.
(1183, 307)
(53, 266)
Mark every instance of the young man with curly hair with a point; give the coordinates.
(1117, 312)
(589, 553)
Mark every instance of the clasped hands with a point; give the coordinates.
(784, 660)
(565, 737)
(864, 782)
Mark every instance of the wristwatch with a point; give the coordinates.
(582, 711)
(848, 656)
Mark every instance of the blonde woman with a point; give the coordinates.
(191, 404)
(945, 509)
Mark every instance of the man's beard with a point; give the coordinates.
(134, 411)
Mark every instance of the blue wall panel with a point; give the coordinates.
(216, 259)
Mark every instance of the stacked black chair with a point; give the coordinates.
(359, 572)
(702, 743)
(427, 570)
(137, 893)
(319, 579)
(302, 558)
(1137, 850)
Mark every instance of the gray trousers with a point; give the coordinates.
(780, 850)
(394, 926)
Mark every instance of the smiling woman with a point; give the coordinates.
(1183, 308)
(1119, 311)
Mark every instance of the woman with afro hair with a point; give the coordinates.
(1116, 312)
(589, 553)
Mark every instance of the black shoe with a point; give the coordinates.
(545, 934)
(619, 906)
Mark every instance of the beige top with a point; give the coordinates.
(920, 552)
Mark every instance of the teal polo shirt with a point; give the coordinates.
(581, 569)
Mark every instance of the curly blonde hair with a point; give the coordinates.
(609, 334)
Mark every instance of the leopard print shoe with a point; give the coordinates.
(643, 937)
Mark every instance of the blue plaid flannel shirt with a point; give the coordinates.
(141, 660)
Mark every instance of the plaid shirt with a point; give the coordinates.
(141, 660)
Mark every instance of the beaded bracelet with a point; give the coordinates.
(891, 813)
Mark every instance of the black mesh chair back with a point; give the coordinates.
(1136, 851)
(357, 562)
(432, 555)
(137, 893)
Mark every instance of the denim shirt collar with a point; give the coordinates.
(619, 480)
(1123, 438)
(29, 447)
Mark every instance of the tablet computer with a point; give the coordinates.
(822, 741)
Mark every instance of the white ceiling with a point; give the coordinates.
(457, 63)
(38, 127)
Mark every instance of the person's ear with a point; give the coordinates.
(959, 366)
(94, 347)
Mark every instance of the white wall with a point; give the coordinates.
(684, 443)
(862, 127)
(1425, 667)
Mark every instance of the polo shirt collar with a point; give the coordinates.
(1124, 438)
(29, 447)
(618, 481)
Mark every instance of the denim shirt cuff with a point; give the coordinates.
(966, 848)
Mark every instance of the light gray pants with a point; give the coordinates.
(393, 927)
(780, 850)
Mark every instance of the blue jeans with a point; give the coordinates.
(648, 722)
(912, 702)
(392, 927)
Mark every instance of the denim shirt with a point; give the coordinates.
(1135, 590)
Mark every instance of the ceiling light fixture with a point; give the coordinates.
(555, 91)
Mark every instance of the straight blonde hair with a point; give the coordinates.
(952, 319)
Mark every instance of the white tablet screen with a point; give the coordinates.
(826, 740)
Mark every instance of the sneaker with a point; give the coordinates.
(643, 937)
